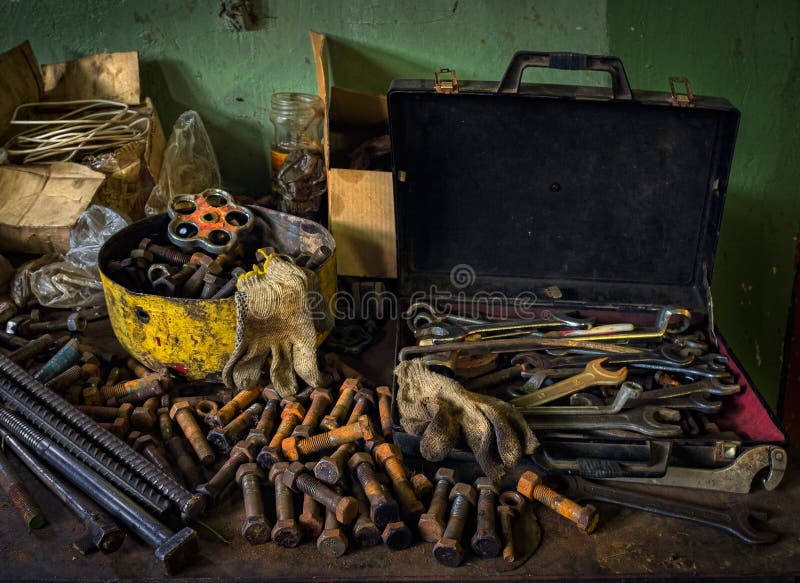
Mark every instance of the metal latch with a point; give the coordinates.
(685, 99)
(445, 85)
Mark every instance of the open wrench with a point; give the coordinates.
(736, 477)
(701, 402)
(661, 328)
(650, 421)
(503, 345)
(593, 374)
(420, 314)
(627, 392)
(735, 520)
(441, 332)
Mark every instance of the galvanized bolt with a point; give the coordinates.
(182, 413)
(448, 550)
(347, 394)
(211, 285)
(294, 449)
(389, 457)
(585, 517)
(290, 416)
(297, 477)
(431, 524)
(256, 528)
(286, 532)
(193, 285)
(485, 541)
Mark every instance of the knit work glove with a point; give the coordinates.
(273, 316)
(440, 409)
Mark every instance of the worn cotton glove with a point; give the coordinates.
(440, 409)
(273, 316)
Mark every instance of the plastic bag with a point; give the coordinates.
(75, 281)
(21, 291)
(190, 164)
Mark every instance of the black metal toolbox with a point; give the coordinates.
(605, 201)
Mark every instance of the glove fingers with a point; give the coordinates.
(481, 440)
(440, 437)
(523, 430)
(506, 439)
(304, 355)
(243, 370)
(280, 373)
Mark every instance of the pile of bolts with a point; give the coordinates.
(141, 444)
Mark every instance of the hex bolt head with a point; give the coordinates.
(289, 447)
(246, 470)
(359, 458)
(396, 536)
(366, 532)
(431, 527)
(449, 552)
(332, 542)
(446, 474)
(286, 533)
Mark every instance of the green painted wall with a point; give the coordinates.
(745, 51)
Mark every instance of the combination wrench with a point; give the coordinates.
(650, 421)
(735, 520)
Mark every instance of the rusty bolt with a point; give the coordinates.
(256, 529)
(183, 414)
(389, 458)
(18, 495)
(144, 417)
(229, 287)
(365, 531)
(294, 449)
(297, 477)
(164, 424)
(286, 532)
(506, 514)
(33, 348)
(485, 541)
(71, 376)
(333, 541)
(189, 469)
(396, 536)
(431, 524)
(242, 452)
(267, 420)
(290, 416)
(382, 509)
(422, 487)
(312, 518)
(150, 449)
(320, 399)
(137, 387)
(448, 550)
(233, 407)
(385, 410)
(168, 254)
(224, 438)
(585, 517)
(330, 468)
(347, 393)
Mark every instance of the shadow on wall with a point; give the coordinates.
(241, 144)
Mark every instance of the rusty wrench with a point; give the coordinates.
(650, 421)
(593, 374)
(627, 392)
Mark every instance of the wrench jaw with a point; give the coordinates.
(777, 468)
(742, 526)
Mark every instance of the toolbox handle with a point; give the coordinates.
(512, 78)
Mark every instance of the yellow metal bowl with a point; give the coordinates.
(195, 337)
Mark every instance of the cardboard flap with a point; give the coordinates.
(113, 76)
(20, 82)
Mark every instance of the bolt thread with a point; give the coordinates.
(458, 517)
(69, 377)
(365, 475)
(285, 428)
(31, 349)
(327, 440)
(169, 255)
(486, 511)
(21, 430)
(343, 404)
(552, 499)
(358, 410)
(21, 499)
(308, 484)
(284, 503)
(439, 500)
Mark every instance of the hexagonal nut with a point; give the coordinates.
(219, 440)
(396, 536)
(322, 394)
(256, 529)
(465, 490)
(142, 441)
(180, 406)
(366, 532)
(384, 451)
(430, 528)
(302, 432)
(246, 470)
(268, 457)
(290, 474)
(484, 483)
(358, 458)
(332, 542)
(347, 509)
(289, 448)
(449, 552)
(527, 483)
(329, 470)
(295, 409)
(367, 429)
(286, 533)
(76, 322)
(276, 470)
(446, 474)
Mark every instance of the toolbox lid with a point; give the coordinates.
(578, 195)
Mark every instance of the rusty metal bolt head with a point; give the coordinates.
(256, 530)
(448, 552)
(142, 419)
(322, 394)
(359, 458)
(527, 484)
(245, 448)
(286, 533)
(301, 432)
(365, 395)
(289, 447)
(295, 409)
(422, 486)
(269, 456)
(384, 392)
(466, 491)
(347, 509)
(126, 410)
(329, 469)
(365, 532)
(291, 473)
(76, 322)
(178, 407)
(396, 536)
(367, 429)
(197, 259)
(143, 441)
(446, 474)
(120, 427)
(332, 542)
(430, 527)
(248, 469)
(218, 440)
(276, 470)
(484, 483)
(270, 394)
(384, 451)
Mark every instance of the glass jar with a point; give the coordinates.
(298, 169)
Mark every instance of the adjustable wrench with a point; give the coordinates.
(735, 520)
(737, 477)
(593, 374)
(650, 421)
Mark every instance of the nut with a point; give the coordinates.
(465, 490)
(76, 322)
(447, 474)
(484, 483)
(269, 456)
(329, 469)
(359, 458)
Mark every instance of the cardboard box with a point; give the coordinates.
(40, 203)
(360, 202)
